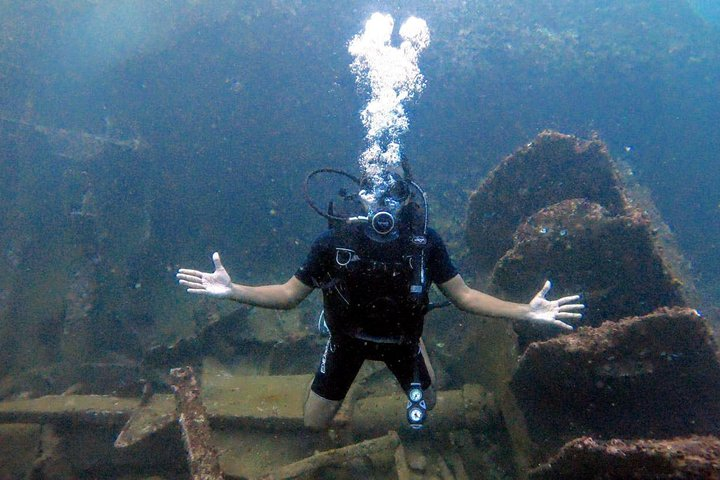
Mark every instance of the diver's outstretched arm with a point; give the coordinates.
(219, 285)
(538, 310)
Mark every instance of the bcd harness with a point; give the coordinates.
(380, 300)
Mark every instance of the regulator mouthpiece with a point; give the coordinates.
(383, 222)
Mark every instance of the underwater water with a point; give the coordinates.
(139, 137)
(707, 9)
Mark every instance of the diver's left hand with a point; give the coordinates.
(550, 311)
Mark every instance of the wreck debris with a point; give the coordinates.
(195, 426)
(621, 379)
(268, 402)
(150, 417)
(78, 322)
(401, 464)
(52, 463)
(560, 208)
(469, 407)
(233, 336)
(445, 472)
(194, 348)
(458, 466)
(269, 406)
(84, 315)
(276, 403)
(689, 458)
(18, 449)
(336, 457)
(88, 409)
(582, 247)
(76, 144)
(552, 168)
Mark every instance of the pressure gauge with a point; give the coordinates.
(416, 407)
(415, 395)
(416, 415)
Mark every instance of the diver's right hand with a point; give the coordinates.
(216, 284)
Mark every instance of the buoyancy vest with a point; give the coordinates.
(374, 292)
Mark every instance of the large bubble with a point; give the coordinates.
(392, 77)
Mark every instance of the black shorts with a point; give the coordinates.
(344, 356)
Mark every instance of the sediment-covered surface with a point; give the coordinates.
(613, 260)
(552, 168)
(559, 209)
(688, 458)
(655, 376)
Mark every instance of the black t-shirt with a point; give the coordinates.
(371, 303)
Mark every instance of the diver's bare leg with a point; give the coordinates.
(319, 411)
(430, 394)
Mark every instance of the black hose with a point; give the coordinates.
(309, 200)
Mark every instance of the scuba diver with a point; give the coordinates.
(375, 267)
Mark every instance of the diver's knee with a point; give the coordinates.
(318, 420)
(315, 423)
(430, 396)
(319, 411)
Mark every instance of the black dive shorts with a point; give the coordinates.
(344, 356)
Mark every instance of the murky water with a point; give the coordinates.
(139, 137)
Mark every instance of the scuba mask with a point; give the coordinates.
(378, 205)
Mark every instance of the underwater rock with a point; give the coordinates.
(679, 458)
(612, 259)
(621, 379)
(552, 168)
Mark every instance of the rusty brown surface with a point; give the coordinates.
(688, 458)
(611, 259)
(561, 209)
(195, 425)
(621, 380)
(552, 168)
